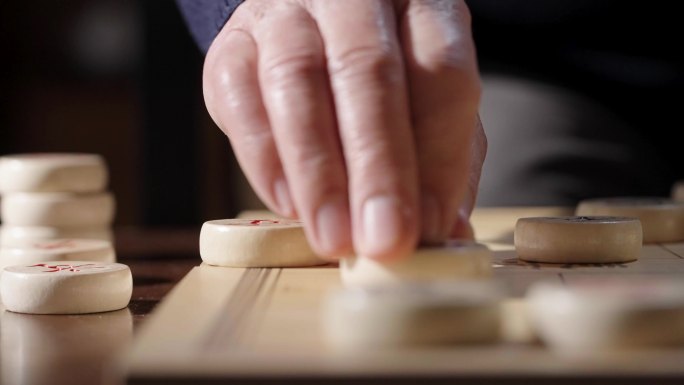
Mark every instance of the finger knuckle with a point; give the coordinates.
(373, 156)
(312, 162)
(293, 67)
(253, 140)
(367, 63)
(445, 7)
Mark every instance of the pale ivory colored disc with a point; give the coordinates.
(603, 313)
(457, 259)
(578, 239)
(58, 209)
(678, 191)
(56, 172)
(26, 235)
(662, 220)
(66, 287)
(412, 314)
(256, 243)
(58, 250)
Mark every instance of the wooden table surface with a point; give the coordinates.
(84, 349)
(88, 349)
(263, 325)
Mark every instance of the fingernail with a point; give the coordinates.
(382, 225)
(431, 219)
(333, 227)
(283, 198)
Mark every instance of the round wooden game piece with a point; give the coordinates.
(662, 220)
(56, 172)
(578, 239)
(57, 250)
(27, 235)
(66, 287)
(601, 313)
(456, 259)
(412, 314)
(256, 243)
(678, 191)
(58, 209)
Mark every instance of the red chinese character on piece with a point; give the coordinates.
(257, 222)
(71, 268)
(55, 245)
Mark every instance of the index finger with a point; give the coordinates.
(370, 96)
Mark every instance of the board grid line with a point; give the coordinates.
(664, 246)
(225, 332)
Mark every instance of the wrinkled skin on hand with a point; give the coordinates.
(357, 116)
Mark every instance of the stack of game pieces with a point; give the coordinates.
(54, 196)
(56, 236)
(64, 250)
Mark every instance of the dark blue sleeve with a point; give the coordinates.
(205, 18)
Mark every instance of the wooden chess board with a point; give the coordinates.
(262, 324)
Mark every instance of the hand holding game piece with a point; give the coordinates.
(66, 287)
(361, 120)
(578, 239)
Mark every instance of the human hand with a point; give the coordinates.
(357, 116)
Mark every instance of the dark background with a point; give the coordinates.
(121, 78)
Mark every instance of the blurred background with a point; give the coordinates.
(122, 78)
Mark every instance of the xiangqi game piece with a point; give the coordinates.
(412, 314)
(57, 250)
(662, 220)
(608, 313)
(58, 209)
(53, 172)
(256, 243)
(66, 287)
(578, 239)
(453, 260)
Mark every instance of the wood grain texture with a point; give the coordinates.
(225, 324)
